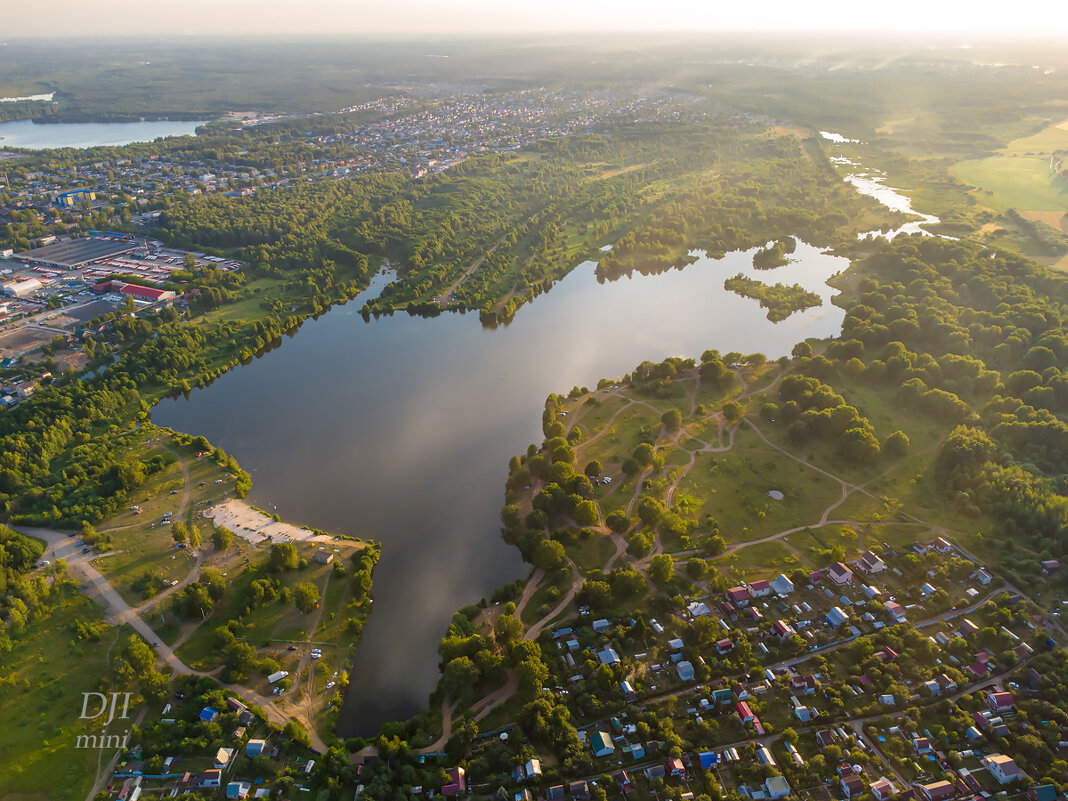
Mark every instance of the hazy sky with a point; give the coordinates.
(24, 18)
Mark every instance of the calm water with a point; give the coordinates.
(400, 429)
(27, 134)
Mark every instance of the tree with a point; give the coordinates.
(802, 350)
(618, 522)
(306, 596)
(297, 733)
(532, 675)
(194, 536)
(222, 538)
(644, 454)
(549, 555)
(897, 444)
(672, 419)
(593, 469)
(697, 568)
(460, 677)
(283, 556)
(731, 411)
(662, 568)
(586, 513)
(179, 531)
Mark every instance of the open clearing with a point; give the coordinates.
(253, 525)
(1020, 177)
(1016, 182)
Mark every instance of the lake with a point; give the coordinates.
(400, 429)
(33, 136)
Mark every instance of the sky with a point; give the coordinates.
(44, 18)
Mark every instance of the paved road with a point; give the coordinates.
(61, 545)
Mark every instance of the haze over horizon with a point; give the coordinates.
(72, 18)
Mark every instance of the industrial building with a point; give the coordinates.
(76, 253)
(75, 197)
(22, 289)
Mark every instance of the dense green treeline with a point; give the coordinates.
(973, 337)
(775, 185)
(780, 300)
(524, 220)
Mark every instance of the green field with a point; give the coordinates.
(1016, 182)
(41, 694)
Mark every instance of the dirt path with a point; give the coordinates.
(308, 706)
(64, 546)
(443, 298)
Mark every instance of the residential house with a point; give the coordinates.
(238, 789)
(825, 737)
(608, 656)
(967, 783)
(601, 744)
(628, 691)
(210, 778)
(676, 768)
(967, 627)
(1050, 565)
(782, 585)
(927, 589)
(1042, 792)
(698, 609)
(739, 596)
(883, 789)
(322, 557)
(937, 791)
(896, 610)
(782, 629)
(946, 684)
(776, 787)
(982, 575)
(1001, 702)
(836, 617)
(981, 666)
(921, 745)
(942, 545)
(852, 786)
(601, 624)
(840, 574)
(457, 782)
(803, 684)
(869, 563)
(745, 714)
(724, 646)
(760, 589)
(208, 715)
(1003, 768)
(556, 793)
(254, 748)
(685, 670)
(579, 790)
(223, 757)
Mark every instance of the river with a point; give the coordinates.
(400, 429)
(34, 136)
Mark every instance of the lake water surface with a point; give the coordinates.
(33, 136)
(400, 429)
